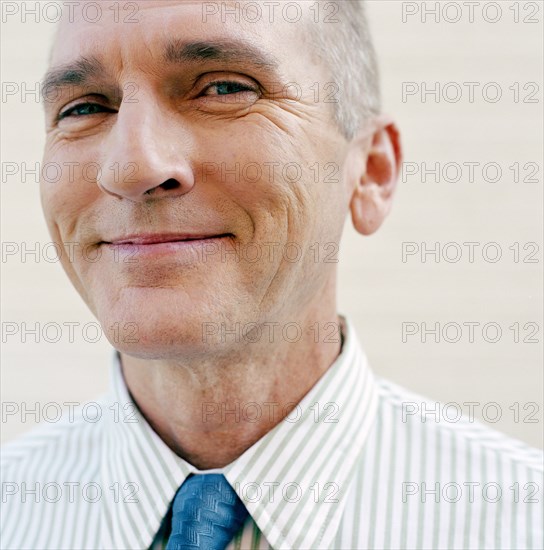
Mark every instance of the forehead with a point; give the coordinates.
(111, 27)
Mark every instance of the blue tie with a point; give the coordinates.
(206, 514)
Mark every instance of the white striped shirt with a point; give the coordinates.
(350, 467)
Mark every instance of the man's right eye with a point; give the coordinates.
(84, 109)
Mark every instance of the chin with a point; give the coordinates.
(151, 342)
(160, 324)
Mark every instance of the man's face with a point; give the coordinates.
(207, 134)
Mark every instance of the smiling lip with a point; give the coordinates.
(152, 246)
(148, 240)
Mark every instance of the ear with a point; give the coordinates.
(378, 159)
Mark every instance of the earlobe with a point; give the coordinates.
(372, 196)
(367, 210)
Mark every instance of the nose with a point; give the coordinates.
(145, 154)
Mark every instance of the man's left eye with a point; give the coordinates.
(227, 88)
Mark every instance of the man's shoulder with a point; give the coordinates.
(55, 444)
(453, 427)
(51, 473)
(434, 479)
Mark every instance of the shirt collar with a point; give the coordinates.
(293, 481)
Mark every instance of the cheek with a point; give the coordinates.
(263, 173)
(68, 188)
(69, 192)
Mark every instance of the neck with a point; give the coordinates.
(210, 409)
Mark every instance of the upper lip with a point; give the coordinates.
(155, 238)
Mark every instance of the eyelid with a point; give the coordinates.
(228, 79)
(89, 100)
(247, 87)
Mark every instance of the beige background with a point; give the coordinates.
(377, 289)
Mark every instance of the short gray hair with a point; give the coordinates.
(347, 48)
(343, 39)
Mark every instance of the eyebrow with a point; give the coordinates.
(76, 73)
(178, 51)
(85, 69)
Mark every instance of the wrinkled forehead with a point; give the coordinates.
(105, 27)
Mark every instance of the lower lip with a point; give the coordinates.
(207, 247)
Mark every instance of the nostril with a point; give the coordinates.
(170, 184)
(166, 186)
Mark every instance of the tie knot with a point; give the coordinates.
(206, 514)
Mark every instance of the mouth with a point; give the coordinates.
(155, 245)
(156, 239)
